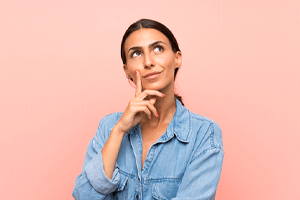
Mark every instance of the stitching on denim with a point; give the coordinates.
(155, 194)
(212, 136)
(208, 131)
(204, 152)
(157, 197)
(96, 146)
(198, 117)
(128, 174)
(190, 128)
(185, 140)
(151, 153)
(96, 141)
(102, 121)
(158, 180)
(95, 137)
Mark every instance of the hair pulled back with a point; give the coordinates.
(148, 23)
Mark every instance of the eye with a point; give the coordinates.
(158, 48)
(135, 54)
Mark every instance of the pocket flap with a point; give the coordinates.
(165, 190)
(122, 183)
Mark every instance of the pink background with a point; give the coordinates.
(61, 72)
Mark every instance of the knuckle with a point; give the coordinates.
(132, 109)
(130, 103)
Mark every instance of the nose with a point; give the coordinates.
(148, 60)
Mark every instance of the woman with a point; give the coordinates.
(156, 148)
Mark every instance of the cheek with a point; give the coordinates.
(167, 60)
(130, 68)
(133, 66)
(167, 63)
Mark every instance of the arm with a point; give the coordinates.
(100, 174)
(110, 151)
(202, 175)
(132, 115)
(92, 183)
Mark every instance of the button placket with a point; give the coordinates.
(148, 161)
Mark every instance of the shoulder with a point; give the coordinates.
(204, 120)
(199, 130)
(206, 130)
(106, 124)
(110, 118)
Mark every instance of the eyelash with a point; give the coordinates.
(134, 53)
(158, 46)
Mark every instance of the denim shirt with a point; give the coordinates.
(184, 163)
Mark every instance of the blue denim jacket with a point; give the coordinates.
(184, 163)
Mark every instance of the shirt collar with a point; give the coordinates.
(180, 125)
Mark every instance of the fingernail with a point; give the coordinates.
(150, 117)
(156, 114)
(136, 72)
(162, 95)
(154, 99)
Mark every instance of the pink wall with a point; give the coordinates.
(61, 72)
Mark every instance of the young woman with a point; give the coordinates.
(156, 148)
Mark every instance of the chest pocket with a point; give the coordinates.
(165, 190)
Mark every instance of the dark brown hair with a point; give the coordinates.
(148, 23)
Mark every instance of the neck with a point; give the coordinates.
(165, 106)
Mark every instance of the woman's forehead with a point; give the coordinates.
(144, 37)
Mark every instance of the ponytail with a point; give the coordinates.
(179, 98)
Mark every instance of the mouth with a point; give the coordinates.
(152, 75)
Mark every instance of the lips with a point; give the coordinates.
(151, 74)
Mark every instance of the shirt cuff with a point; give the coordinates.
(97, 177)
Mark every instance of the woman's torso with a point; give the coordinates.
(160, 177)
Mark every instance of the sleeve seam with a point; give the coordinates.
(207, 150)
(212, 136)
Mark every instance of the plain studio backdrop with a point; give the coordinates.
(61, 72)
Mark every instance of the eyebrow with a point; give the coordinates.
(150, 45)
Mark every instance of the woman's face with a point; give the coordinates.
(149, 51)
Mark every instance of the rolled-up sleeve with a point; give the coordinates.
(97, 177)
(202, 175)
(93, 183)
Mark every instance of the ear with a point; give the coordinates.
(178, 59)
(126, 71)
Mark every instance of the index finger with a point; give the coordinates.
(138, 88)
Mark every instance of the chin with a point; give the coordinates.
(156, 86)
(152, 86)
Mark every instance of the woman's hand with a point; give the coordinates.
(138, 107)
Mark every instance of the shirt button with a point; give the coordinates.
(137, 196)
